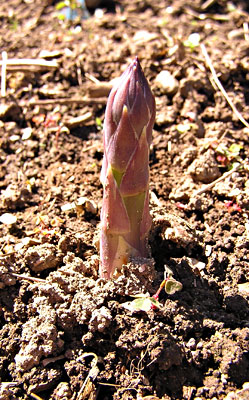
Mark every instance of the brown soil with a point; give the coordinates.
(64, 332)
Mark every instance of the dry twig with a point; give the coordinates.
(93, 371)
(28, 278)
(92, 78)
(246, 31)
(100, 89)
(207, 4)
(3, 75)
(220, 86)
(203, 17)
(61, 101)
(35, 396)
(17, 64)
(78, 121)
(221, 178)
(94, 146)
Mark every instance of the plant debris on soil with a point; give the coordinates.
(65, 333)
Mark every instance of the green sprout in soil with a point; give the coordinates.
(99, 124)
(72, 10)
(125, 217)
(146, 303)
(193, 41)
(13, 22)
(228, 157)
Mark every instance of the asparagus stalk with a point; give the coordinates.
(125, 217)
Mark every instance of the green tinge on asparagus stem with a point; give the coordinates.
(125, 217)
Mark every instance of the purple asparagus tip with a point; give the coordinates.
(125, 218)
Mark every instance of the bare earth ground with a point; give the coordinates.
(64, 332)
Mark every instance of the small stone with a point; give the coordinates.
(166, 83)
(8, 219)
(183, 191)
(14, 138)
(87, 204)
(10, 126)
(188, 155)
(42, 257)
(244, 288)
(62, 392)
(26, 133)
(100, 319)
(199, 345)
(81, 205)
(208, 250)
(205, 168)
(191, 344)
(143, 36)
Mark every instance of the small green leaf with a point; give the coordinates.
(183, 128)
(13, 23)
(233, 165)
(155, 302)
(141, 304)
(61, 5)
(172, 286)
(192, 41)
(61, 17)
(234, 149)
(99, 123)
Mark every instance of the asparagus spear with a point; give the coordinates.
(125, 217)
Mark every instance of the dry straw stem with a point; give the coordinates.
(98, 89)
(220, 87)
(94, 146)
(62, 101)
(35, 396)
(27, 278)
(3, 75)
(20, 63)
(221, 178)
(208, 4)
(78, 121)
(7, 254)
(202, 16)
(94, 370)
(246, 31)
